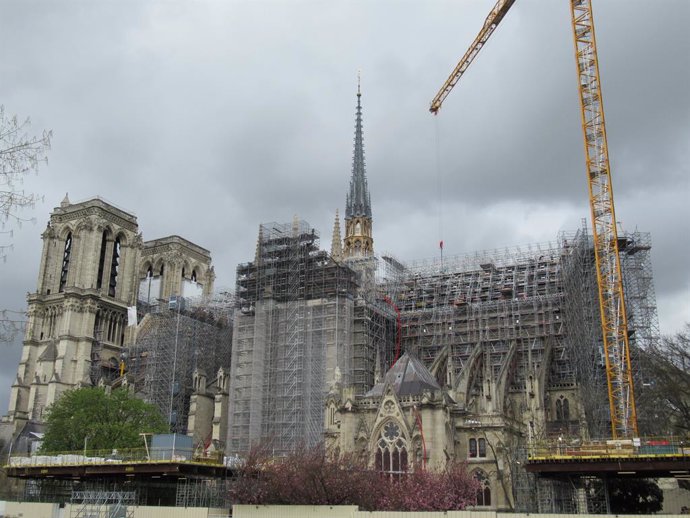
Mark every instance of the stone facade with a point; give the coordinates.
(408, 421)
(208, 407)
(92, 265)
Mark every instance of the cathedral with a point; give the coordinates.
(408, 366)
(472, 358)
(95, 272)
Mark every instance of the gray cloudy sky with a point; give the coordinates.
(207, 118)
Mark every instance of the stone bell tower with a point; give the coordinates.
(77, 317)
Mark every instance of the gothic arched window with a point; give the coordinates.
(562, 409)
(65, 262)
(101, 260)
(484, 491)
(559, 410)
(566, 410)
(391, 451)
(114, 267)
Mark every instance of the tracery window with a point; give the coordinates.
(484, 491)
(477, 448)
(65, 262)
(391, 452)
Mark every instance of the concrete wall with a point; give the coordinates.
(278, 511)
(42, 510)
(31, 510)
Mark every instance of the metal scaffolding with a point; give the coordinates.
(303, 322)
(172, 341)
(508, 303)
(524, 315)
(102, 503)
(584, 337)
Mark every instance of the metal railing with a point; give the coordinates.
(610, 448)
(113, 456)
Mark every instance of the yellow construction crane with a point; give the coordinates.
(609, 278)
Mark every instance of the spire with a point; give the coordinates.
(336, 242)
(259, 241)
(358, 203)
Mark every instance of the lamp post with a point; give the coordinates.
(146, 445)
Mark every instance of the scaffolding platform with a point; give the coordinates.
(636, 457)
(76, 469)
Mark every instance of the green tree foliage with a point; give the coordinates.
(103, 421)
(635, 496)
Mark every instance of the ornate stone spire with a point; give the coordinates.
(358, 203)
(358, 222)
(336, 243)
(377, 367)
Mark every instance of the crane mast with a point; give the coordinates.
(614, 323)
(609, 277)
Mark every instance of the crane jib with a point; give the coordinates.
(614, 323)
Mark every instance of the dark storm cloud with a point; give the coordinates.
(208, 118)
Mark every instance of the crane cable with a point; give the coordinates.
(439, 183)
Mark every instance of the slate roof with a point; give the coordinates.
(49, 354)
(408, 376)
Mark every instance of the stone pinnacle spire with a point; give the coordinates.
(259, 241)
(336, 243)
(358, 203)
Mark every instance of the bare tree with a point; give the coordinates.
(11, 324)
(666, 386)
(20, 154)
